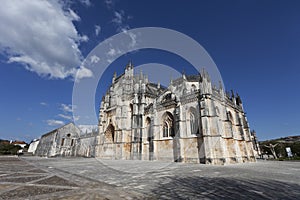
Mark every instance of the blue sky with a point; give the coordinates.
(255, 44)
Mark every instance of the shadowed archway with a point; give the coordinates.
(150, 138)
(110, 134)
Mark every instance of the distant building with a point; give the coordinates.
(59, 142)
(33, 146)
(22, 144)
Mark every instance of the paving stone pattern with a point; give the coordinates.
(90, 178)
(27, 179)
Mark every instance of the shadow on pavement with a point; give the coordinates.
(225, 188)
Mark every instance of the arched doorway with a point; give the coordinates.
(172, 137)
(194, 123)
(110, 134)
(150, 138)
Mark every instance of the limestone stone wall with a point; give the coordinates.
(59, 142)
(86, 145)
(47, 145)
(189, 121)
(33, 146)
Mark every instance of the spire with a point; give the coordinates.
(129, 65)
(141, 74)
(200, 77)
(220, 85)
(238, 99)
(232, 94)
(114, 77)
(183, 74)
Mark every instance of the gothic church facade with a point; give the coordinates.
(190, 121)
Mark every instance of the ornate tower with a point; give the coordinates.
(210, 123)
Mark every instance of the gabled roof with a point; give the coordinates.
(117, 79)
(53, 131)
(18, 142)
(152, 88)
(193, 78)
(189, 78)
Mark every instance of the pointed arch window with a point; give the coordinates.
(62, 142)
(193, 88)
(148, 129)
(193, 124)
(230, 117)
(168, 130)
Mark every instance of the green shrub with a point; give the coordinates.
(9, 149)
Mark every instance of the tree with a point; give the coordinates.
(9, 149)
(272, 148)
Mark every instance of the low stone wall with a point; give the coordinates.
(86, 146)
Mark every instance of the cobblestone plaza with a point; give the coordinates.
(90, 178)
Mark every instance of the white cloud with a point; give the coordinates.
(83, 72)
(86, 2)
(73, 15)
(41, 36)
(112, 52)
(115, 51)
(76, 118)
(97, 29)
(118, 18)
(68, 117)
(88, 128)
(43, 104)
(53, 122)
(109, 4)
(120, 21)
(132, 37)
(94, 59)
(66, 108)
(84, 38)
